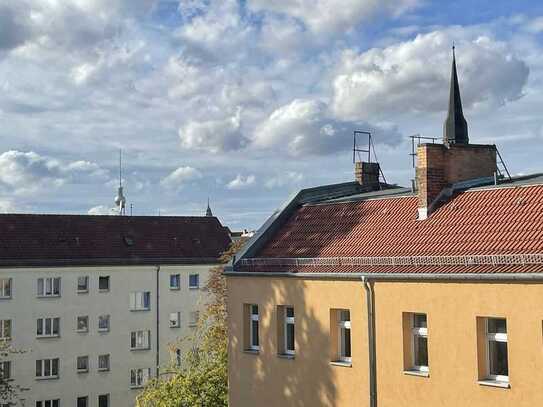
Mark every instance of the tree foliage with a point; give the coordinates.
(201, 379)
(9, 390)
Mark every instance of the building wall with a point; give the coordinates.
(24, 308)
(451, 308)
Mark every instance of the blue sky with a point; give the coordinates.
(248, 101)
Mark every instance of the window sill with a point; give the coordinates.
(47, 378)
(340, 363)
(194, 288)
(103, 290)
(82, 291)
(48, 296)
(251, 351)
(103, 370)
(286, 356)
(141, 386)
(103, 331)
(81, 331)
(139, 349)
(5, 298)
(176, 326)
(83, 371)
(140, 309)
(47, 336)
(419, 373)
(494, 383)
(175, 288)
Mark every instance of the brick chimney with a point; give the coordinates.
(440, 166)
(367, 174)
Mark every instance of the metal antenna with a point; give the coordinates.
(120, 200)
(120, 167)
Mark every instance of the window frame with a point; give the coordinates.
(48, 403)
(82, 330)
(104, 278)
(84, 398)
(140, 301)
(104, 357)
(135, 335)
(83, 290)
(3, 369)
(53, 322)
(177, 280)
(105, 317)
(174, 323)
(50, 287)
(252, 319)
(42, 368)
(495, 337)
(416, 333)
(141, 376)
(6, 282)
(6, 326)
(192, 286)
(82, 369)
(342, 326)
(286, 322)
(100, 398)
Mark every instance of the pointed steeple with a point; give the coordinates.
(208, 210)
(455, 128)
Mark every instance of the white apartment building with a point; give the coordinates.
(97, 301)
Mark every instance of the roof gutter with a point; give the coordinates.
(397, 277)
(372, 353)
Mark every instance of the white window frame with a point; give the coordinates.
(254, 318)
(137, 301)
(191, 286)
(6, 288)
(139, 377)
(85, 369)
(104, 290)
(83, 290)
(50, 287)
(51, 363)
(48, 403)
(344, 325)
(178, 280)
(5, 370)
(101, 358)
(52, 322)
(107, 399)
(5, 329)
(86, 398)
(82, 330)
(418, 332)
(495, 337)
(106, 318)
(289, 321)
(141, 340)
(175, 320)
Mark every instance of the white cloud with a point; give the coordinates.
(307, 127)
(27, 172)
(213, 135)
(323, 16)
(290, 178)
(7, 206)
(413, 76)
(241, 182)
(102, 210)
(180, 177)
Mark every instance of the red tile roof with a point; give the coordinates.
(80, 239)
(487, 221)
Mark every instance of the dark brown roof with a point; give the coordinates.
(44, 240)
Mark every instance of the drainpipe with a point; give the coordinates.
(371, 340)
(157, 321)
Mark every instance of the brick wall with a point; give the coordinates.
(367, 174)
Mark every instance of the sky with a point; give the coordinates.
(245, 102)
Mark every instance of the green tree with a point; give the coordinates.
(201, 377)
(9, 390)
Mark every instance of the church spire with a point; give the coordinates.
(208, 210)
(455, 128)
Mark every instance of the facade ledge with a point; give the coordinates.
(48, 378)
(340, 363)
(286, 356)
(251, 351)
(494, 383)
(416, 373)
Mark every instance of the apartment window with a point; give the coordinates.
(140, 301)
(47, 327)
(252, 319)
(103, 400)
(103, 283)
(175, 281)
(83, 324)
(194, 280)
(103, 363)
(341, 321)
(5, 329)
(415, 342)
(140, 340)
(82, 401)
(82, 364)
(48, 403)
(49, 287)
(47, 368)
(194, 318)
(103, 323)
(175, 319)
(5, 288)
(83, 284)
(5, 370)
(139, 377)
(286, 332)
(492, 350)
